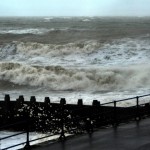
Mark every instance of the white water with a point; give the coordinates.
(25, 31)
(85, 69)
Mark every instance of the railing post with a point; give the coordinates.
(115, 124)
(27, 146)
(137, 109)
(62, 134)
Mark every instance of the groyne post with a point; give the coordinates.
(7, 110)
(80, 102)
(62, 134)
(47, 100)
(19, 112)
(47, 107)
(96, 103)
(33, 107)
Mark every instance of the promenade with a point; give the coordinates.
(132, 136)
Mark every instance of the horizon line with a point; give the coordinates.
(76, 16)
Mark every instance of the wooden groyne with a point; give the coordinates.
(46, 116)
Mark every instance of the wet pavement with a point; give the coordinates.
(132, 136)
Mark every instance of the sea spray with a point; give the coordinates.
(61, 78)
(85, 57)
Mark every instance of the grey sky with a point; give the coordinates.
(74, 7)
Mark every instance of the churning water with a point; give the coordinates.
(86, 57)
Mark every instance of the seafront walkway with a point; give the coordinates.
(131, 136)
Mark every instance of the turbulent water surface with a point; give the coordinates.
(87, 57)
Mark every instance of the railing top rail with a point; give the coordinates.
(144, 95)
(126, 99)
(12, 135)
(13, 146)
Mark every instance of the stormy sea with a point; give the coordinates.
(102, 58)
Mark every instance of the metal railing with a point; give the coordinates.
(126, 99)
(27, 143)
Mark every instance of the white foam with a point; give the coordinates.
(25, 31)
(57, 50)
(89, 79)
(119, 52)
(48, 19)
(83, 66)
(86, 20)
(124, 51)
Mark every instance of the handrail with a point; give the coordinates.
(126, 99)
(12, 135)
(24, 142)
(144, 95)
(13, 146)
(43, 137)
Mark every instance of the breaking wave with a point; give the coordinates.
(56, 50)
(123, 51)
(61, 78)
(116, 47)
(38, 31)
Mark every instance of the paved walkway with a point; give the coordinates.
(133, 136)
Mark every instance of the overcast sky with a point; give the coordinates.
(74, 7)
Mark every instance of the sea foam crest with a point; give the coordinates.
(26, 31)
(57, 50)
(61, 78)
